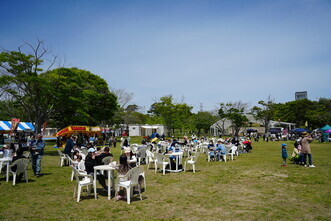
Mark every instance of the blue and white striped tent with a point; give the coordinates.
(22, 126)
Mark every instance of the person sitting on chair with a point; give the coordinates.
(220, 150)
(104, 154)
(132, 159)
(122, 169)
(211, 148)
(90, 162)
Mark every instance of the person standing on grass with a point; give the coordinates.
(69, 146)
(284, 154)
(37, 153)
(114, 141)
(305, 149)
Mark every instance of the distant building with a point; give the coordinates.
(301, 95)
(146, 129)
(217, 127)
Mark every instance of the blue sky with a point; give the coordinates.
(200, 51)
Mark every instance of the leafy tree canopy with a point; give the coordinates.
(80, 97)
(175, 116)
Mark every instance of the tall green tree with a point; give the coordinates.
(203, 120)
(315, 113)
(222, 114)
(80, 97)
(235, 112)
(174, 116)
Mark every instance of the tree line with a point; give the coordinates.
(32, 91)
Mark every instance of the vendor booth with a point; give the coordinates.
(87, 130)
(15, 133)
(6, 127)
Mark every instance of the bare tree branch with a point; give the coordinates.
(123, 97)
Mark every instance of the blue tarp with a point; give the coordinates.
(275, 130)
(155, 135)
(299, 130)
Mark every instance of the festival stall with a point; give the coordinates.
(86, 130)
(6, 127)
(326, 132)
(14, 131)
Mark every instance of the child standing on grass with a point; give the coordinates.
(284, 154)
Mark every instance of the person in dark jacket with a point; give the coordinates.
(90, 162)
(104, 154)
(69, 146)
(37, 152)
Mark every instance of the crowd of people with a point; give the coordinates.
(90, 154)
(34, 146)
(96, 154)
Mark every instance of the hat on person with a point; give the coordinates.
(91, 150)
(283, 144)
(305, 133)
(127, 150)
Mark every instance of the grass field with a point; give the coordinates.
(252, 187)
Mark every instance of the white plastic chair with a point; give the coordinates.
(63, 157)
(192, 161)
(26, 155)
(131, 179)
(86, 181)
(160, 161)
(233, 151)
(0, 167)
(221, 155)
(142, 173)
(134, 148)
(150, 158)
(21, 164)
(75, 164)
(141, 154)
(107, 160)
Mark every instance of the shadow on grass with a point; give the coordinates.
(22, 181)
(44, 174)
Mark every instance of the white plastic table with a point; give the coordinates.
(6, 161)
(177, 155)
(110, 170)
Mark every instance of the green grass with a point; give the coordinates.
(252, 187)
